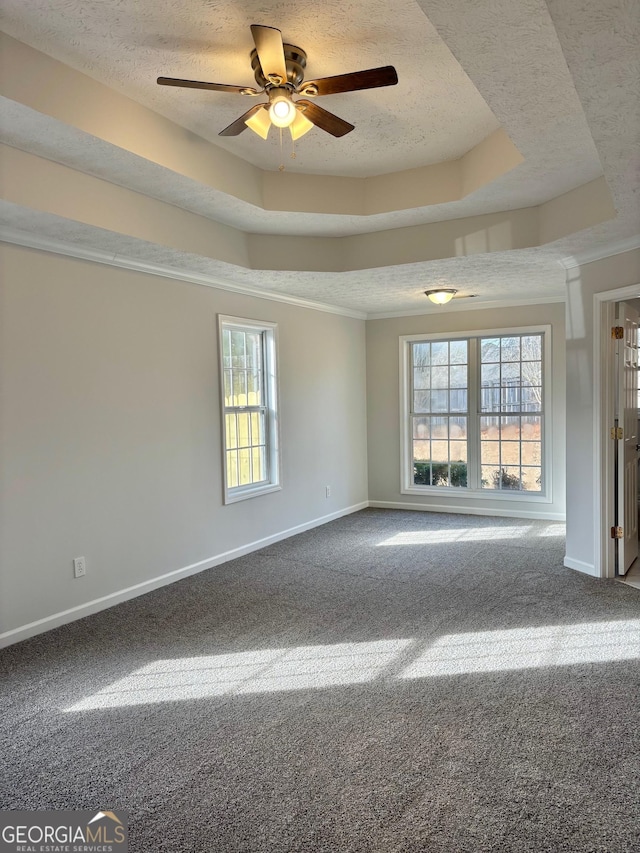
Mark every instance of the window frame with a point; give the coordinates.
(269, 353)
(473, 490)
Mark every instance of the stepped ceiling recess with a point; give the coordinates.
(509, 145)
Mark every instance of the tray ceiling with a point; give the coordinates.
(558, 78)
(435, 113)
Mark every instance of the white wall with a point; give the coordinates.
(383, 404)
(618, 271)
(110, 426)
(110, 430)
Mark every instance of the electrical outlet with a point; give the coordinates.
(79, 567)
(327, 491)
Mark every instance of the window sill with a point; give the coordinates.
(472, 494)
(232, 497)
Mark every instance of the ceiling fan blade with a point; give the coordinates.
(236, 127)
(215, 87)
(324, 119)
(268, 42)
(374, 78)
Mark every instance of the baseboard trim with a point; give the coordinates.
(469, 510)
(40, 626)
(580, 566)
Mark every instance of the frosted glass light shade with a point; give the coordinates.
(300, 126)
(441, 295)
(260, 123)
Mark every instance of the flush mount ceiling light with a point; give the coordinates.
(441, 295)
(279, 72)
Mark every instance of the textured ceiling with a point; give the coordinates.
(560, 77)
(507, 276)
(433, 114)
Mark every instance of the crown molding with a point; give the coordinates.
(608, 251)
(98, 256)
(473, 305)
(61, 247)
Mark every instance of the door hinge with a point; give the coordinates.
(617, 332)
(617, 433)
(617, 533)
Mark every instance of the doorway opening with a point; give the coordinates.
(609, 456)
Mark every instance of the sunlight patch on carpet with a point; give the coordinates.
(527, 648)
(472, 534)
(342, 664)
(261, 671)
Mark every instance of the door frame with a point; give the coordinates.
(604, 401)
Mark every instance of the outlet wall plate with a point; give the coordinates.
(79, 567)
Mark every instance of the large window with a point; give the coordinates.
(249, 407)
(474, 413)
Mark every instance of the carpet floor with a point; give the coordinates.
(391, 682)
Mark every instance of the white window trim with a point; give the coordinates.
(274, 483)
(407, 487)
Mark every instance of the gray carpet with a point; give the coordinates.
(392, 682)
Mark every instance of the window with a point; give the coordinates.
(249, 408)
(473, 411)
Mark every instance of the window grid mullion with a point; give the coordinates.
(473, 426)
(412, 416)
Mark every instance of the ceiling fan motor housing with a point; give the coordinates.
(295, 60)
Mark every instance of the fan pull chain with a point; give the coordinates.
(293, 149)
(281, 166)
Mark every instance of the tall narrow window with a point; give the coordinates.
(249, 407)
(474, 413)
(440, 412)
(511, 412)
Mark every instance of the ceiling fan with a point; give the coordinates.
(279, 72)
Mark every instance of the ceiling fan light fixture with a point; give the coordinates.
(441, 295)
(260, 123)
(282, 111)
